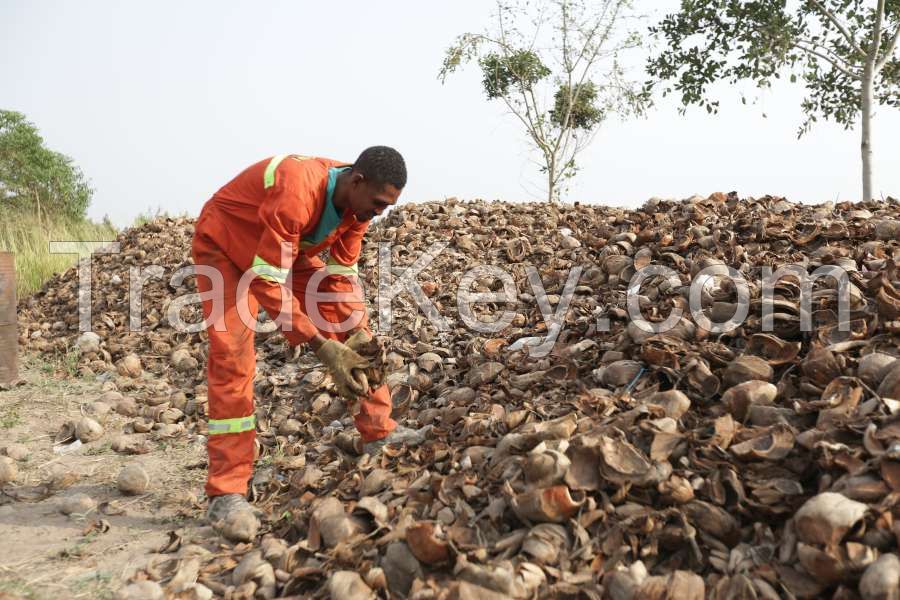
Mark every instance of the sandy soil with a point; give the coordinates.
(45, 554)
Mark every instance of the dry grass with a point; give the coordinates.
(30, 243)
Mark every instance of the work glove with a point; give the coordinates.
(346, 368)
(358, 340)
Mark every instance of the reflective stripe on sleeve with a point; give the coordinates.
(269, 272)
(237, 425)
(269, 176)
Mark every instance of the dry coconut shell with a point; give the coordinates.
(130, 366)
(88, 343)
(76, 504)
(821, 366)
(873, 367)
(16, 451)
(713, 520)
(424, 541)
(545, 541)
(545, 468)
(8, 470)
(827, 517)
(348, 585)
(133, 479)
(673, 402)
(549, 505)
(333, 524)
(621, 372)
(890, 385)
(682, 585)
(141, 590)
(183, 361)
(88, 430)
(239, 526)
(127, 407)
(746, 368)
(130, 444)
(881, 581)
(741, 397)
(401, 568)
(253, 568)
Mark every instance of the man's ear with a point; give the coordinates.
(357, 178)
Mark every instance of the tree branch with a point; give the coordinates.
(828, 59)
(876, 46)
(892, 45)
(841, 27)
(831, 53)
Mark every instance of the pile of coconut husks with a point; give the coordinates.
(572, 452)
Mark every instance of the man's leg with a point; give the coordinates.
(230, 371)
(374, 420)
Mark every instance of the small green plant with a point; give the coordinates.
(79, 548)
(9, 416)
(17, 588)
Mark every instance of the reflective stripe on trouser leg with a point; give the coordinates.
(238, 425)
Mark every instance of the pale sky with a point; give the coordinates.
(160, 103)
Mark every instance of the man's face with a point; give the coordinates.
(367, 200)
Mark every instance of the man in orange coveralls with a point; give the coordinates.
(273, 220)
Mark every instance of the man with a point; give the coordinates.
(257, 242)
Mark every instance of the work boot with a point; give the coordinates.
(233, 517)
(400, 435)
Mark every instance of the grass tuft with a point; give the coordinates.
(30, 241)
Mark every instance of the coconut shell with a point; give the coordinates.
(827, 517)
(890, 385)
(426, 543)
(348, 585)
(88, 430)
(76, 504)
(621, 372)
(133, 479)
(873, 367)
(746, 368)
(740, 398)
(130, 366)
(9, 472)
(141, 590)
(881, 580)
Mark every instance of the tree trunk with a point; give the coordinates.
(551, 180)
(866, 141)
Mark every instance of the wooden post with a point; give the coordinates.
(9, 339)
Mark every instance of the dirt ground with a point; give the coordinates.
(45, 554)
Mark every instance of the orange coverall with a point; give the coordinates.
(273, 219)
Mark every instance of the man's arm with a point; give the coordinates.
(282, 215)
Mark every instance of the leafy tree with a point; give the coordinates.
(555, 67)
(35, 178)
(843, 50)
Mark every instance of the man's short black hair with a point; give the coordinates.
(382, 164)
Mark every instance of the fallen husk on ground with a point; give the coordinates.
(760, 462)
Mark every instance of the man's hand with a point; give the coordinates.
(346, 367)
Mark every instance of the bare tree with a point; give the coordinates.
(556, 66)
